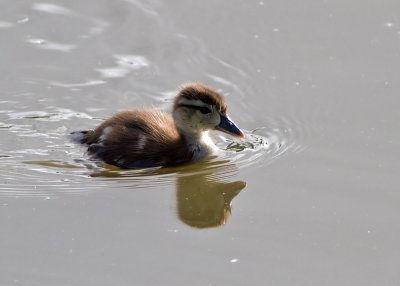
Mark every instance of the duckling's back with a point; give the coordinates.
(136, 139)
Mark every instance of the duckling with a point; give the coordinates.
(149, 138)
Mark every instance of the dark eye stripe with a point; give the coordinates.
(202, 109)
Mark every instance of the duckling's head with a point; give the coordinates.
(198, 108)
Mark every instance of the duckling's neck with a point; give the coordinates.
(200, 144)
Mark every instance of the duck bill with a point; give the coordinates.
(228, 126)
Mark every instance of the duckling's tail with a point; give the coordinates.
(81, 137)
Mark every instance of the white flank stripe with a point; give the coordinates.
(105, 133)
(141, 141)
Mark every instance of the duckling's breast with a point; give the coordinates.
(202, 147)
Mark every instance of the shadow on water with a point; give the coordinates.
(204, 191)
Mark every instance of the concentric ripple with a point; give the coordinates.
(265, 144)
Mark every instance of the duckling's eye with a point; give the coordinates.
(204, 110)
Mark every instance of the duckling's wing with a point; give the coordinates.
(117, 156)
(137, 139)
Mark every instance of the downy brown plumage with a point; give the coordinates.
(148, 138)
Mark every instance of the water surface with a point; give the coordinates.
(311, 197)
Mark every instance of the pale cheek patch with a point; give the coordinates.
(194, 102)
(105, 133)
(141, 141)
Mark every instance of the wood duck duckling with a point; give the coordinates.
(149, 138)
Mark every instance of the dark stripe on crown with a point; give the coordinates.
(195, 91)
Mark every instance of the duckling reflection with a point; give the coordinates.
(204, 198)
(204, 193)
